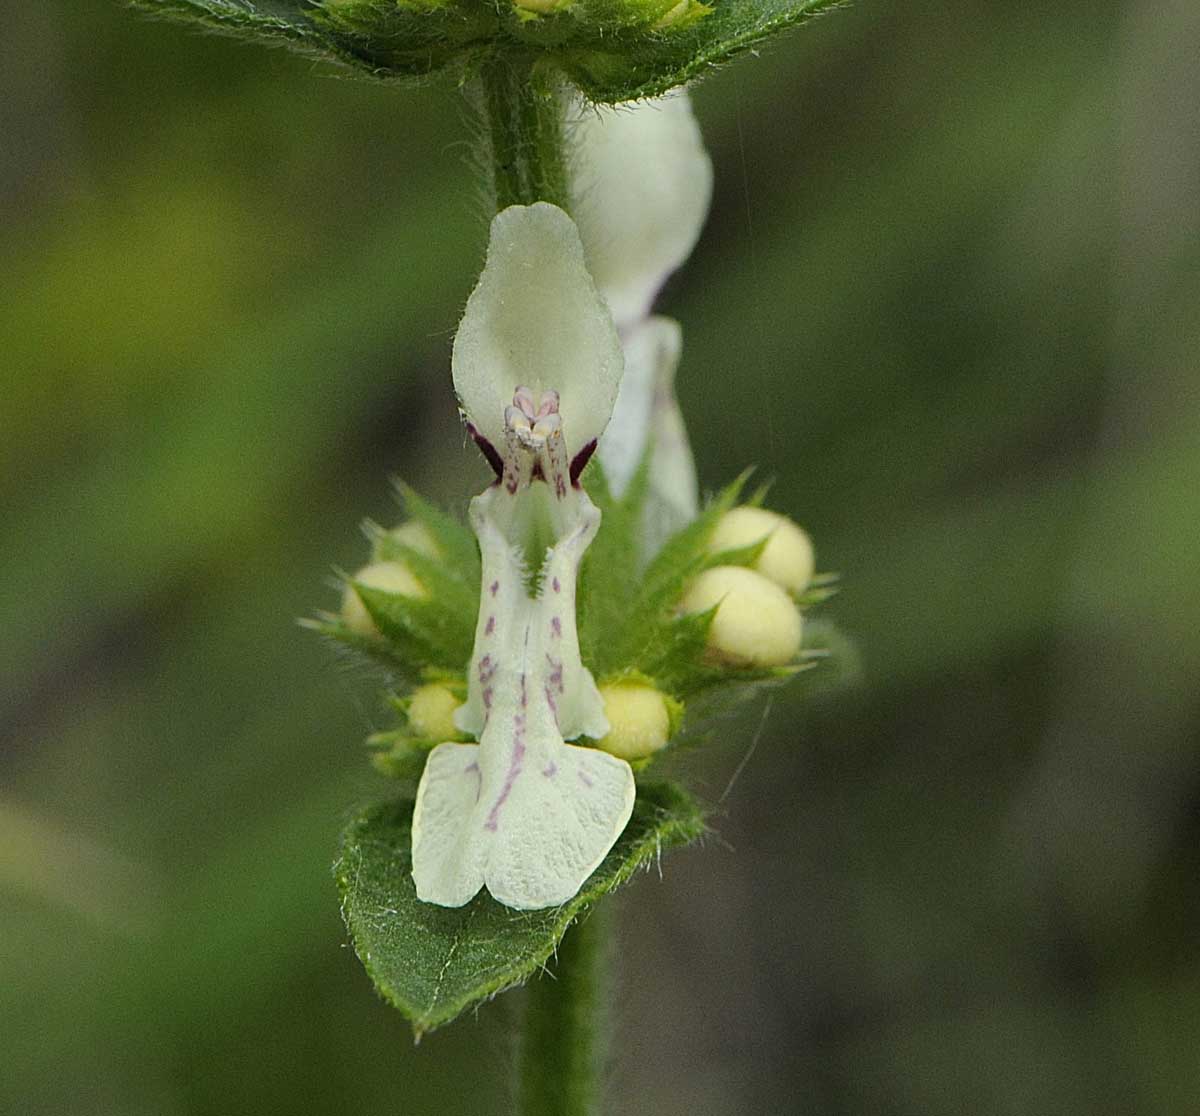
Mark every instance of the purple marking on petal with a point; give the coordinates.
(486, 669)
(580, 460)
(472, 766)
(491, 626)
(538, 473)
(556, 672)
(556, 628)
(550, 770)
(514, 770)
(584, 778)
(556, 585)
(560, 486)
(524, 693)
(487, 697)
(551, 702)
(494, 588)
(487, 449)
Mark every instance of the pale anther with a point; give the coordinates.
(533, 429)
(523, 401)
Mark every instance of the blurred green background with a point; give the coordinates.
(948, 297)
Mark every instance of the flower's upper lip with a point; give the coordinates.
(536, 322)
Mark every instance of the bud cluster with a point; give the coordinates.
(720, 605)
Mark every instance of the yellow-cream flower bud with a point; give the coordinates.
(431, 713)
(415, 535)
(639, 720)
(756, 623)
(787, 559)
(392, 577)
(683, 13)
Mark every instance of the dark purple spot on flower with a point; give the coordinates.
(556, 628)
(556, 672)
(550, 770)
(494, 588)
(487, 449)
(491, 626)
(581, 459)
(556, 585)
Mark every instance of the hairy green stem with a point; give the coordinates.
(523, 108)
(562, 1047)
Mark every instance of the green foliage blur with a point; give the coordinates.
(948, 298)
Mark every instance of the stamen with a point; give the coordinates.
(548, 425)
(531, 429)
(523, 401)
(516, 418)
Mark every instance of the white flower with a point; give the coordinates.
(537, 365)
(645, 183)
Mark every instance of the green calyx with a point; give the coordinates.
(631, 628)
(612, 50)
(435, 962)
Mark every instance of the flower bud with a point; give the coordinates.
(787, 559)
(639, 720)
(683, 13)
(539, 7)
(392, 577)
(756, 623)
(416, 536)
(431, 713)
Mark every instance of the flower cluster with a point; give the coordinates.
(553, 648)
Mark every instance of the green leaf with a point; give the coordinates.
(652, 606)
(610, 567)
(277, 21)
(399, 756)
(613, 51)
(423, 633)
(372, 647)
(454, 539)
(632, 65)
(406, 38)
(433, 963)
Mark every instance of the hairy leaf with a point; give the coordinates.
(612, 51)
(629, 67)
(433, 963)
(277, 21)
